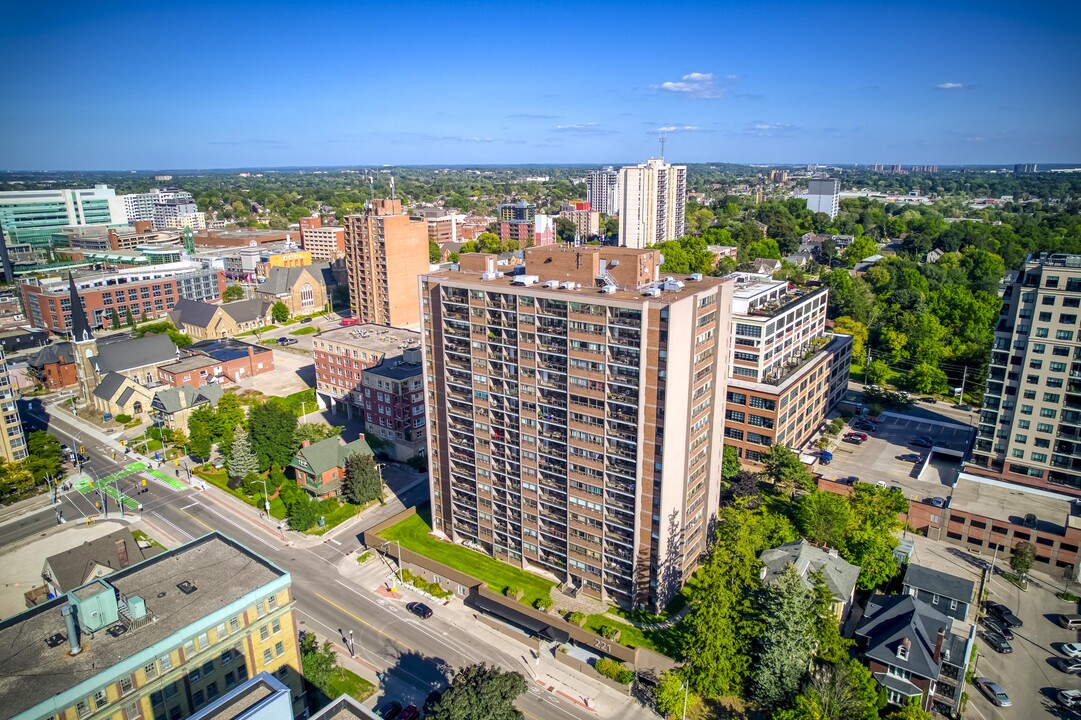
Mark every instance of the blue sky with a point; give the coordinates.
(232, 84)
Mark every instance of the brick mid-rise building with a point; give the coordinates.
(576, 415)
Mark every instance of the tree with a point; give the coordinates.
(318, 661)
(114, 318)
(128, 319)
(314, 432)
(786, 469)
(1024, 554)
(745, 487)
(787, 640)
(242, 461)
(670, 694)
(273, 433)
(435, 254)
(363, 481)
(861, 247)
(844, 691)
(910, 711)
(200, 437)
(480, 692)
(847, 326)
(830, 645)
(280, 312)
(15, 480)
(824, 518)
(729, 463)
(566, 230)
(232, 292)
(45, 458)
(301, 511)
(926, 378)
(876, 373)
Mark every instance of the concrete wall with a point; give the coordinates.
(587, 669)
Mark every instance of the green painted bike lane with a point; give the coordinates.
(109, 483)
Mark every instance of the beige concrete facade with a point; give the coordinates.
(324, 243)
(385, 252)
(576, 416)
(12, 438)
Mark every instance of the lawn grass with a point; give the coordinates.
(347, 682)
(141, 536)
(336, 517)
(298, 400)
(253, 331)
(309, 330)
(412, 533)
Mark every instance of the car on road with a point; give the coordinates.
(853, 439)
(994, 693)
(861, 435)
(1003, 613)
(922, 441)
(1068, 665)
(390, 710)
(881, 484)
(1072, 650)
(993, 625)
(938, 502)
(911, 457)
(419, 609)
(305, 320)
(286, 341)
(1068, 698)
(929, 400)
(410, 713)
(997, 643)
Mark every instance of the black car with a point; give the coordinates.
(929, 400)
(305, 320)
(997, 627)
(419, 609)
(997, 642)
(911, 457)
(854, 440)
(922, 441)
(390, 710)
(1003, 613)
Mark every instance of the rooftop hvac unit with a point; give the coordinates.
(609, 289)
(671, 285)
(491, 275)
(526, 279)
(695, 277)
(653, 292)
(552, 284)
(570, 285)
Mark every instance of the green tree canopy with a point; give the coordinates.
(1024, 554)
(435, 254)
(824, 518)
(242, 461)
(279, 312)
(730, 463)
(787, 471)
(787, 640)
(45, 458)
(363, 482)
(847, 326)
(273, 433)
(232, 292)
(480, 692)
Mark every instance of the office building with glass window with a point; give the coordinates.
(1030, 424)
(158, 640)
(575, 415)
(32, 216)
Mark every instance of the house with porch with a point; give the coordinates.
(319, 467)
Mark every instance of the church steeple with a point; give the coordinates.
(80, 326)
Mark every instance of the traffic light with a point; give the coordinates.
(144, 482)
(82, 449)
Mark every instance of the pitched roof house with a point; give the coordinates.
(915, 651)
(93, 559)
(839, 574)
(54, 366)
(203, 321)
(120, 395)
(320, 467)
(765, 265)
(948, 593)
(176, 404)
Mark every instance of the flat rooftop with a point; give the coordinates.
(395, 368)
(370, 337)
(221, 571)
(224, 349)
(1010, 503)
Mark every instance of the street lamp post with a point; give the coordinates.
(686, 690)
(266, 499)
(352, 654)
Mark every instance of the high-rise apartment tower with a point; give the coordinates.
(824, 196)
(602, 190)
(653, 203)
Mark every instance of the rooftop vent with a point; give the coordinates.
(570, 285)
(695, 277)
(653, 292)
(553, 284)
(491, 275)
(671, 285)
(526, 280)
(186, 587)
(55, 640)
(609, 289)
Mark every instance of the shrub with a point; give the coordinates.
(577, 618)
(513, 591)
(406, 575)
(608, 632)
(122, 418)
(614, 670)
(364, 557)
(543, 603)
(418, 463)
(422, 585)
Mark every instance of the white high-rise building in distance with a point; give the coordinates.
(140, 206)
(602, 191)
(653, 202)
(824, 196)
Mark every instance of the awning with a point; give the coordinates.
(898, 685)
(524, 620)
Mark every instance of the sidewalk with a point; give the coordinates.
(543, 672)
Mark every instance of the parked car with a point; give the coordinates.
(922, 441)
(390, 710)
(419, 609)
(881, 484)
(911, 457)
(998, 643)
(825, 457)
(410, 713)
(993, 625)
(853, 439)
(929, 400)
(866, 425)
(1068, 665)
(286, 341)
(1068, 698)
(1071, 650)
(861, 435)
(938, 502)
(994, 693)
(1031, 521)
(305, 320)
(850, 480)
(1003, 613)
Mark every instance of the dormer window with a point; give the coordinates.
(903, 648)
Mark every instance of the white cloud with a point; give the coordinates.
(950, 86)
(732, 78)
(696, 85)
(766, 129)
(589, 128)
(675, 129)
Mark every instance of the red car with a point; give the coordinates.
(346, 322)
(859, 435)
(410, 713)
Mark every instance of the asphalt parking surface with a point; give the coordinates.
(878, 458)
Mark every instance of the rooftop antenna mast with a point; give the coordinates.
(371, 185)
(392, 187)
(664, 137)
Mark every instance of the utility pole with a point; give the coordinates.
(964, 377)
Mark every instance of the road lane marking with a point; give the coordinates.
(196, 519)
(171, 524)
(239, 527)
(365, 622)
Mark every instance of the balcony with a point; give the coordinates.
(631, 359)
(626, 318)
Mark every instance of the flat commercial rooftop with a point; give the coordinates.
(1005, 501)
(221, 571)
(373, 338)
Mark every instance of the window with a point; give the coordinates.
(1026, 409)
(1020, 439)
(1023, 424)
(1050, 397)
(264, 632)
(272, 603)
(211, 691)
(82, 708)
(166, 662)
(1038, 457)
(934, 598)
(276, 627)
(208, 667)
(1064, 334)
(307, 295)
(126, 685)
(1045, 317)
(268, 657)
(227, 657)
(1045, 427)
(1041, 332)
(260, 608)
(902, 651)
(197, 698)
(1030, 394)
(1035, 364)
(151, 670)
(279, 648)
(101, 699)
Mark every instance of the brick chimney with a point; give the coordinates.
(938, 643)
(122, 553)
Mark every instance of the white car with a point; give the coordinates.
(1071, 649)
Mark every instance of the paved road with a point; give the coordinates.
(414, 654)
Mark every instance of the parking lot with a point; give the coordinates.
(878, 459)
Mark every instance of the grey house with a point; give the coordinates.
(839, 574)
(946, 593)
